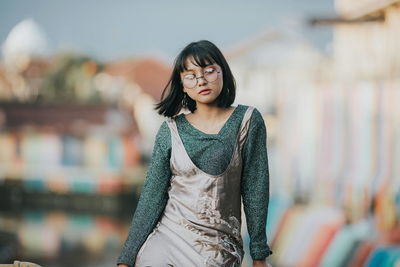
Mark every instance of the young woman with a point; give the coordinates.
(203, 163)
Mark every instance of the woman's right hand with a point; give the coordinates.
(261, 263)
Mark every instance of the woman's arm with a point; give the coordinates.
(255, 186)
(153, 197)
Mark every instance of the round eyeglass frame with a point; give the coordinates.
(197, 80)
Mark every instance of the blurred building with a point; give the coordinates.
(271, 60)
(72, 125)
(367, 39)
(25, 40)
(344, 165)
(145, 79)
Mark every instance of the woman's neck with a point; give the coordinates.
(208, 112)
(209, 118)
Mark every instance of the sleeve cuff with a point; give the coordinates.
(260, 253)
(125, 261)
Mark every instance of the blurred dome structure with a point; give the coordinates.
(25, 40)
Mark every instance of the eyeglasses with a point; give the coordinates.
(210, 75)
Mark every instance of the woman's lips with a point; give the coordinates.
(205, 91)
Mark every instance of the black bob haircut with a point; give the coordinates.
(204, 53)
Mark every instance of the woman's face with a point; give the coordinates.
(208, 85)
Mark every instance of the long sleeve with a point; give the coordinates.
(153, 197)
(255, 186)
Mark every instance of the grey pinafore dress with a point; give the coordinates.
(201, 223)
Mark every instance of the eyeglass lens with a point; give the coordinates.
(210, 75)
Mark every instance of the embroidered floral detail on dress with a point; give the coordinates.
(221, 253)
(207, 209)
(192, 228)
(229, 251)
(207, 245)
(231, 245)
(234, 224)
(224, 250)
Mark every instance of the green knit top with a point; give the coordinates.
(209, 152)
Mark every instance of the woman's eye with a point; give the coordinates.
(189, 76)
(209, 70)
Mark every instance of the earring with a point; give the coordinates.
(185, 100)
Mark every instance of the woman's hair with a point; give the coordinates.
(204, 53)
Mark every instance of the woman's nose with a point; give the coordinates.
(201, 81)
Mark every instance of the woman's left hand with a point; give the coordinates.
(261, 263)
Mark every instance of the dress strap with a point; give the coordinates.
(244, 127)
(178, 149)
(175, 139)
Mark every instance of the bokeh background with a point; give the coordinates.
(79, 80)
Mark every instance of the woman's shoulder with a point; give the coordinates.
(256, 118)
(173, 118)
(163, 130)
(163, 136)
(255, 112)
(165, 127)
(167, 122)
(245, 107)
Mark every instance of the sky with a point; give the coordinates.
(112, 30)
